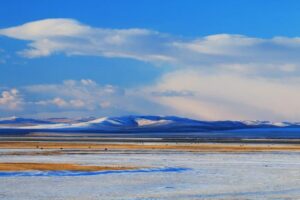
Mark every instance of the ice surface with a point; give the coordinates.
(273, 175)
(90, 173)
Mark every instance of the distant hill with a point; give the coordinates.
(150, 124)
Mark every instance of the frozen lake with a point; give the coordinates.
(260, 175)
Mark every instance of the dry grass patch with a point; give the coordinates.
(200, 147)
(24, 166)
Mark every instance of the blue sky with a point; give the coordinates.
(202, 59)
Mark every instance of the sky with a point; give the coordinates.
(208, 59)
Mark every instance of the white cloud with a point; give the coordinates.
(228, 96)
(59, 102)
(78, 103)
(221, 76)
(86, 98)
(70, 37)
(221, 44)
(88, 82)
(71, 94)
(190, 93)
(10, 100)
(46, 28)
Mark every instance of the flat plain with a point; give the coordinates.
(69, 170)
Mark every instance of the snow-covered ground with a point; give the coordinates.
(208, 176)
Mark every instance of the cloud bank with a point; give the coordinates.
(232, 52)
(228, 96)
(75, 98)
(223, 76)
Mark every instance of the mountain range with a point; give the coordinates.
(149, 124)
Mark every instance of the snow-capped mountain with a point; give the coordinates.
(135, 124)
